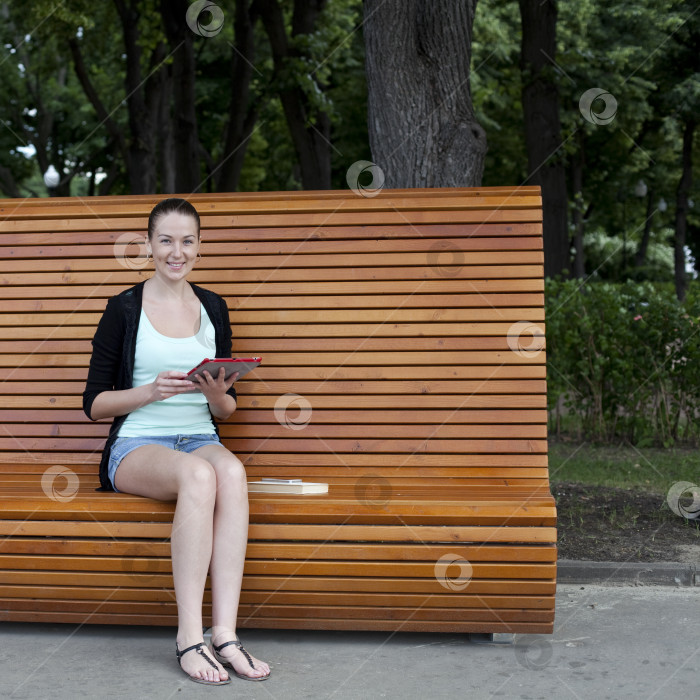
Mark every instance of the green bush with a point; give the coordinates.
(623, 361)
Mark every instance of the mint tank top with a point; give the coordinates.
(183, 414)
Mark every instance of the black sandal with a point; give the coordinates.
(201, 652)
(226, 662)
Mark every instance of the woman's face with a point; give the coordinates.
(174, 245)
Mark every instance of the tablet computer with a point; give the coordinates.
(242, 365)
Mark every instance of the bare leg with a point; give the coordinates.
(228, 554)
(158, 472)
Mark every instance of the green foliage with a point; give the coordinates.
(624, 361)
(610, 257)
(496, 88)
(330, 70)
(327, 63)
(347, 91)
(646, 55)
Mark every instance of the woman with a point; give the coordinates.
(163, 442)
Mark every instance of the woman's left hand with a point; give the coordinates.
(214, 388)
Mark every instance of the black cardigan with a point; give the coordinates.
(114, 348)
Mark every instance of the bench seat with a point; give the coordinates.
(392, 318)
(339, 565)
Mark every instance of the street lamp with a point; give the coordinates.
(51, 177)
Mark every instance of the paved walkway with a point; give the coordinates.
(613, 642)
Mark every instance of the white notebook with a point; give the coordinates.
(270, 485)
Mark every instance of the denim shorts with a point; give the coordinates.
(180, 443)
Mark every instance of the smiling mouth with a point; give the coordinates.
(176, 266)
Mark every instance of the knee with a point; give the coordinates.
(231, 476)
(198, 479)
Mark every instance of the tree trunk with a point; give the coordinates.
(166, 143)
(684, 185)
(543, 128)
(8, 184)
(48, 151)
(141, 153)
(105, 186)
(641, 254)
(188, 173)
(242, 116)
(311, 140)
(577, 183)
(422, 128)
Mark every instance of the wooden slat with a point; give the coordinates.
(321, 533)
(107, 287)
(246, 417)
(324, 218)
(457, 401)
(29, 257)
(300, 233)
(330, 386)
(455, 352)
(279, 464)
(310, 200)
(39, 372)
(494, 514)
(338, 351)
(291, 623)
(235, 204)
(342, 317)
(311, 443)
(501, 279)
(434, 302)
(453, 256)
(355, 584)
(339, 495)
(267, 550)
(339, 612)
(274, 430)
(147, 596)
(24, 482)
(152, 567)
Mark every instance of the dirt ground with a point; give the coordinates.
(601, 523)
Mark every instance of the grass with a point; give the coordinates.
(625, 466)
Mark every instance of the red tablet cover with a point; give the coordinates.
(243, 365)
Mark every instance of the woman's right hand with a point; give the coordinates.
(109, 404)
(170, 383)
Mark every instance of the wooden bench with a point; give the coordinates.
(399, 365)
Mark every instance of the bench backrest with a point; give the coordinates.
(402, 334)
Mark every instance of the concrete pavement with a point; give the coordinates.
(613, 642)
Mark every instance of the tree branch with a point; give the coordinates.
(91, 93)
